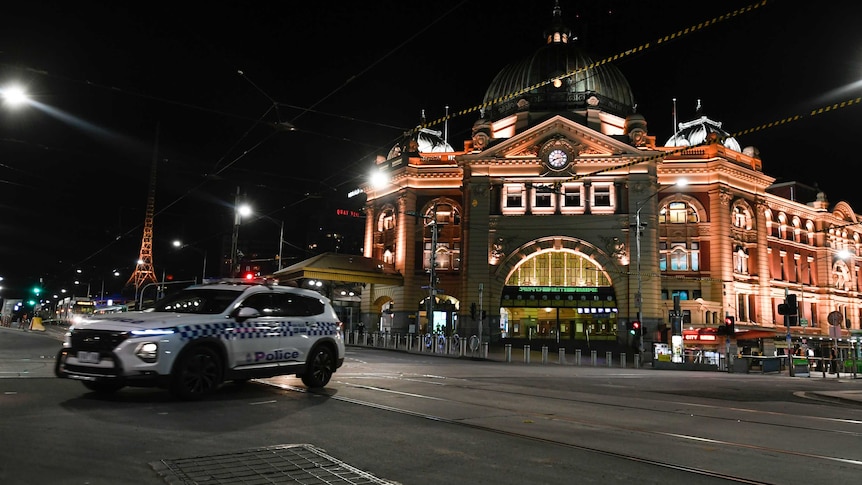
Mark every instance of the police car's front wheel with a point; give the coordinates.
(198, 372)
(320, 368)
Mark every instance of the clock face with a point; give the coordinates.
(558, 158)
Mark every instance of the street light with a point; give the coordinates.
(239, 212)
(179, 245)
(14, 96)
(638, 227)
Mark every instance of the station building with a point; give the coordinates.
(562, 221)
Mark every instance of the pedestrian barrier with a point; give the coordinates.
(458, 346)
(36, 324)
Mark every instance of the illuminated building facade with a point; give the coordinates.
(532, 225)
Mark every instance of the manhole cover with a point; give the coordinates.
(286, 464)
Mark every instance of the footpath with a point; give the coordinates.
(509, 356)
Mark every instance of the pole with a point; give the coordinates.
(481, 319)
(204, 269)
(432, 284)
(280, 244)
(789, 346)
(235, 235)
(638, 228)
(639, 295)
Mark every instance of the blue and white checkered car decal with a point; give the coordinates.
(252, 330)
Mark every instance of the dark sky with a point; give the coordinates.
(200, 87)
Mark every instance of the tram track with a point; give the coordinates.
(695, 471)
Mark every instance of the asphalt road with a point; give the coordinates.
(422, 419)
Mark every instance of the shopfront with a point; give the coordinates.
(559, 313)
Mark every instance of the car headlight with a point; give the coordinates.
(147, 351)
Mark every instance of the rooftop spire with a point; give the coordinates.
(558, 33)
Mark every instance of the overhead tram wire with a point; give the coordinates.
(625, 54)
(381, 59)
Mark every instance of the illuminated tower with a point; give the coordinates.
(144, 271)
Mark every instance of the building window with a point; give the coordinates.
(387, 220)
(572, 195)
(602, 196)
(740, 261)
(543, 199)
(514, 196)
(572, 200)
(447, 224)
(738, 217)
(558, 268)
(680, 256)
(678, 212)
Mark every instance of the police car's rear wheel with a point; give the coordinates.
(320, 368)
(198, 372)
(102, 387)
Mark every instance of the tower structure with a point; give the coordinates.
(144, 271)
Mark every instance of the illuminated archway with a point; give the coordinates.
(559, 289)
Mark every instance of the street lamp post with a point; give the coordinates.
(238, 212)
(638, 228)
(179, 245)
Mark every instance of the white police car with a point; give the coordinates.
(204, 335)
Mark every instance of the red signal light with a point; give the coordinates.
(249, 276)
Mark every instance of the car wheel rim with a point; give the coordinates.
(322, 367)
(201, 374)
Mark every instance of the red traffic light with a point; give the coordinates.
(249, 276)
(636, 325)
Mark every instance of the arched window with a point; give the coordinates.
(386, 220)
(678, 212)
(558, 268)
(443, 217)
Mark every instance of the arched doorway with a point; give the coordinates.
(560, 296)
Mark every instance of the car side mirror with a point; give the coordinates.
(244, 313)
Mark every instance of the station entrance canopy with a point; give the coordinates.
(342, 268)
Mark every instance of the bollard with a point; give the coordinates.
(508, 352)
(526, 354)
(637, 360)
(485, 352)
(593, 358)
(544, 354)
(609, 358)
(623, 361)
(562, 358)
(577, 357)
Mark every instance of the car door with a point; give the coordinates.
(257, 341)
(302, 316)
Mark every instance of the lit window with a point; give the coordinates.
(514, 196)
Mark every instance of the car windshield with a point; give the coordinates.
(204, 301)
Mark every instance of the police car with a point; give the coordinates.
(200, 337)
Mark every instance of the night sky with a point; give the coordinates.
(201, 88)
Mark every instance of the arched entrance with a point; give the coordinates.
(561, 296)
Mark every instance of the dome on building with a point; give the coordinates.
(423, 140)
(599, 87)
(699, 130)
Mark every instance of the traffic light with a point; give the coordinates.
(729, 326)
(790, 310)
(248, 275)
(635, 328)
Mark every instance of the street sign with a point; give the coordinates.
(835, 318)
